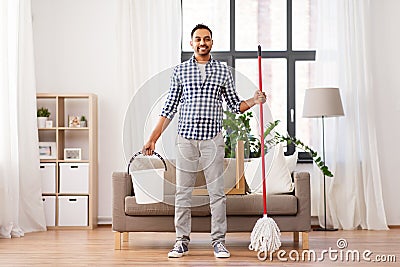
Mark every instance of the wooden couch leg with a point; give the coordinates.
(125, 236)
(304, 240)
(296, 237)
(117, 240)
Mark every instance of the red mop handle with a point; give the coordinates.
(262, 134)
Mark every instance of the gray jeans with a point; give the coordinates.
(194, 155)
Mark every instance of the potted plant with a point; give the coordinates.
(83, 122)
(237, 127)
(42, 116)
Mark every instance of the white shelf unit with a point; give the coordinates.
(76, 209)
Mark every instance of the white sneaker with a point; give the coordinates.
(220, 251)
(179, 250)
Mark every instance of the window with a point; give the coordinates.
(285, 30)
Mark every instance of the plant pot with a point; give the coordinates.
(41, 122)
(82, 123)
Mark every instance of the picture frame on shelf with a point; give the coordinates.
(49, 124)
(74, 122)
(72, 154)
(47, 150)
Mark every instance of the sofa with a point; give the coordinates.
(291, 211)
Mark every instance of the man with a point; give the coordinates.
(198, 85)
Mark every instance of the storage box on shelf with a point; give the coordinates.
(48, 173)
(73, 210)
(49, 203)
(69, 181)
(74, 177)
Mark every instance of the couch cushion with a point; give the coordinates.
(252, 204)
(200, 207)
(246, 205)
(278, 178)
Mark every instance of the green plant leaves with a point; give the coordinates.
(237, 127)
(43, 112)
(278, 138)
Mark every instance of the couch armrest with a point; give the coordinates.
(303, 194)
(121, 187)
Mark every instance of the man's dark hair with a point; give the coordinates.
(200, 26)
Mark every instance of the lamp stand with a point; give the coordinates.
(323, 156)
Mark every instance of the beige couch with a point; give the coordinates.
(291, 211)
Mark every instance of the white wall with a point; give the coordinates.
(386, 81)
(76, 51)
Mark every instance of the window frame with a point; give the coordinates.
(289, 54)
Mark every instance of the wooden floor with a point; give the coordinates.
(96, 248)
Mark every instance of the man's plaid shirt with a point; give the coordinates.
(201, 112)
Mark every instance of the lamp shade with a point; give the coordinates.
(320, 102)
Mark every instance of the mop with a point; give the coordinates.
(265, 236)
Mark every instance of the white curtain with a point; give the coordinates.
(354, 194)
(21, 208)
(149, 45)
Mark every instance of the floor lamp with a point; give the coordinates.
(322, 103)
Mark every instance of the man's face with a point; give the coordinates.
(201, 42)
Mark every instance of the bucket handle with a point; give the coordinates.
(140, 153)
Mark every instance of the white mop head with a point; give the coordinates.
(265, 236)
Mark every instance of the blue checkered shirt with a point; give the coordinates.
(200, 102)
